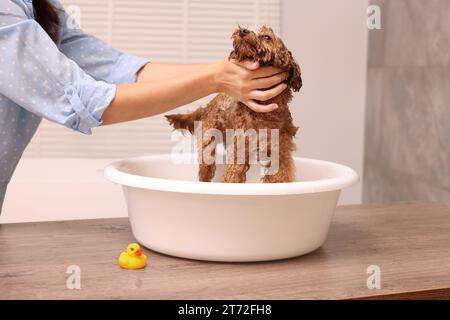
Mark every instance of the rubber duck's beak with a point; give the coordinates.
(139, 252)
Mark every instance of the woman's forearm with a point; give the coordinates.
(160, 90)
(159, 71)
(161, 87)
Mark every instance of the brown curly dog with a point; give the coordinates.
(225, 114)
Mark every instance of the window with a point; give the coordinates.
(176, 31)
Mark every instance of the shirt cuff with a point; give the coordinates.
(126, 68)
(89, 101)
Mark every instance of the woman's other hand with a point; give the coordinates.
(250, 84)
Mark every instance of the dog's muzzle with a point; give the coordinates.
(243, 32)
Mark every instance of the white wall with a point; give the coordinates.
(329, 38)
(61, 189)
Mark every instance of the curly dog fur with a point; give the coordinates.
(224, 112)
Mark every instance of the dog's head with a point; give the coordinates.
(267, 48)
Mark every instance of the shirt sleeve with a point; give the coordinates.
(37, 76)
(96, 57)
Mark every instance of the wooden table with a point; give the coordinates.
(410, 242)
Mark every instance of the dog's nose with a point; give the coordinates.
(243, 32)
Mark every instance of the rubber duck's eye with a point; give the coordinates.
(266, 37)
(132, 249)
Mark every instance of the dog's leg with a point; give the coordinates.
(206, 171)
(235, 173)
(286, 166)
(285, 173)
(207, 142)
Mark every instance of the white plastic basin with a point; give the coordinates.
(172, 213)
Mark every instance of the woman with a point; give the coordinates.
(48, 69)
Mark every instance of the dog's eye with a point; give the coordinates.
(266, 37)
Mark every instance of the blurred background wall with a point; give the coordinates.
(329, 38)
(407, 144)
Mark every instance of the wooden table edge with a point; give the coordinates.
(423, 294)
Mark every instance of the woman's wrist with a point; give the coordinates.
(218, 69)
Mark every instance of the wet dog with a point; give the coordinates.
(268, 136)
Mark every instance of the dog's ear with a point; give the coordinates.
(295, 74)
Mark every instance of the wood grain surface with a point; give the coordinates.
(410, 242)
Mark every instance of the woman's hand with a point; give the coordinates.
(248, 83)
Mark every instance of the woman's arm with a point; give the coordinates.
(159, 71)
(42, 80)
(161, 88)
(154, 96)
(96, 57)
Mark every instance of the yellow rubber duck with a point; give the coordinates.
(133, 258)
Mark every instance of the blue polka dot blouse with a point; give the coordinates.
(71, 82)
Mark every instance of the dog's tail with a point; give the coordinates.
(185, 121)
